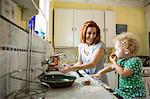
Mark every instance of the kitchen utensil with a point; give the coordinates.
(57, 80)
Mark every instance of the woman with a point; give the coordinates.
(91, 51)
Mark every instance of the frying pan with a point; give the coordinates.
(57, 80)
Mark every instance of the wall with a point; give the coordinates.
(51, 22)
(13, 55)
(147, 12)
(134, 17)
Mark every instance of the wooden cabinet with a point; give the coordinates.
(63, 28)
(112, 77)
(68, 22)
(98, 17)
(67, 25)
(110, 28)
(106, 21)
(80, 17)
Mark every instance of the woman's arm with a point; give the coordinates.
(98, 53)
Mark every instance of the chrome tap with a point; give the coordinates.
(57, 57)
(61, 54)
(46, 61)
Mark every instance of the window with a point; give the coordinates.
(40, 21)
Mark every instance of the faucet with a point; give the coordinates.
(61, 54)
(53, 61)
(46, 61)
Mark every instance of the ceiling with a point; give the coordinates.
(120, 2)
(98, 0)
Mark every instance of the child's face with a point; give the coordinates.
(119, 50)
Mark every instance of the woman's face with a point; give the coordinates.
(90, 35)
(119, 50)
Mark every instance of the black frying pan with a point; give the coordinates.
(57, 80)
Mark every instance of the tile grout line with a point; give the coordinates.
(16, 49)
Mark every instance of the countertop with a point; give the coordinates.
(79, 91)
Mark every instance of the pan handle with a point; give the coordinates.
(45, 84)
(79, 73)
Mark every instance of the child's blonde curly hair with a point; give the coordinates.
(128, 41)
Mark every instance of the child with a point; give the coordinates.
(128, 66)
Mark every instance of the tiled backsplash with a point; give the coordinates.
(71, 53)
(13, 54)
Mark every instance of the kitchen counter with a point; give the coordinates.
(79, 91)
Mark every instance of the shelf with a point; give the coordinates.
(21, 75)
(35, 88)
(29, 7)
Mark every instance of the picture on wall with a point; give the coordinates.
(121, 28)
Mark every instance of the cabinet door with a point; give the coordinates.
(110, 28)
(112, 79)
(98, 17)
(80, 17)
(63, 27)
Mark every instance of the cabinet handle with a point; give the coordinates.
(72, 28)
(106, 30)
(75, 29)
(103, 29)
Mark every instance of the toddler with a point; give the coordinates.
(128, 66)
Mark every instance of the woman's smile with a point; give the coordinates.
(90, 35)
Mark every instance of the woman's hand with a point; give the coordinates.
(113, 58)
(65, 69)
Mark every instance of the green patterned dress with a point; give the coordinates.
(131, 87)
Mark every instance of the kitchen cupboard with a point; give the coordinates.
(110, 28)
(106, 21)
(80, 17)
(98, 17)
(67, 25)
(63, 27)
(112, 77)
(68, 22)
(9, 9)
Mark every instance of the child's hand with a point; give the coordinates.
(112, 66)
(113, 58)
(96, 76)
